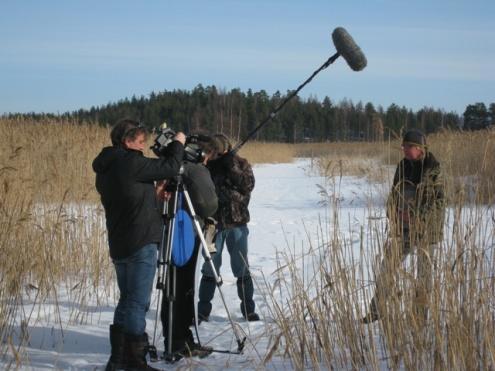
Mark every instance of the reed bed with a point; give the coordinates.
(321, 291)
(466, 159)
(320, 294)
(53, 241)
(52, 227)
(52, 232)
(257, 152)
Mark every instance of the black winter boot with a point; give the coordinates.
(245, 290)
(117, 341)
(136, 349)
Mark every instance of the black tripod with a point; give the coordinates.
(167, 270)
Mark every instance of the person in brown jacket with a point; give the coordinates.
(415, 209)
(234, 182)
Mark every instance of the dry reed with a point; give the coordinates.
(52, 239)
(319, 296)
(52, 235)
(325, 287)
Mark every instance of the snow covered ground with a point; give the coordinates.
(289, 204)
(289, 209)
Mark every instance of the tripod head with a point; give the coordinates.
(176, 183)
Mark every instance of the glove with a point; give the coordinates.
(210, 233)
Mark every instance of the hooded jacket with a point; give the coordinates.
(125, 182)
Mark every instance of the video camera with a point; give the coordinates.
(193, 151)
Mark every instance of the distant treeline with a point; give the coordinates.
(236, 113)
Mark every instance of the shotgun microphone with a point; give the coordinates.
(348, 49)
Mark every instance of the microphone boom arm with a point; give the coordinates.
(272, 114)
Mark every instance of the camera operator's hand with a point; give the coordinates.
(161, 191)
(180, 137)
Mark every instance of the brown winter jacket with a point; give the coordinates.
(418, 191)
(234, 182)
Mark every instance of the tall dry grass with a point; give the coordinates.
(319, 297)
(52, 235)
(53, 243)
(466, 160)
(52, 226)
(321, 291)
(256, 152)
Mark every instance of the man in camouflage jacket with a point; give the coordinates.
(415, 209)
(234, 182)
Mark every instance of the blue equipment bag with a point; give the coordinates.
(184, 237)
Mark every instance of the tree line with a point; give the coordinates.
(236, 113)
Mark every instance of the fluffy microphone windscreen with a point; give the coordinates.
(348, 49)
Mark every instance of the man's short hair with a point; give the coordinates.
(224, 143)
(126, 129)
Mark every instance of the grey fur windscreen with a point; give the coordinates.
(347, 48)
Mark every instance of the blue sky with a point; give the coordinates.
(58, 56)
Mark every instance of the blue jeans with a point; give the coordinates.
(135, 275)
(236, 240)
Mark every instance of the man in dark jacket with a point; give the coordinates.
(234, 182)
(125, 181)
(200, 187)
(415, 209)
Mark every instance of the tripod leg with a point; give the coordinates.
(207, 255)
(162, 266)
(164, 272)
(170, 274)
(171, 301)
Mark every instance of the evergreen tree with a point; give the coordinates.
(369, 112)
(491, 113)
(236, 114)
(476, 117)
(394, 120)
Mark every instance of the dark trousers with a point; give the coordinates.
(182, 304)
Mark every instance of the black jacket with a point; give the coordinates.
(125, 181)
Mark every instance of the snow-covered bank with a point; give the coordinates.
(287, 206)
(291, 209)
